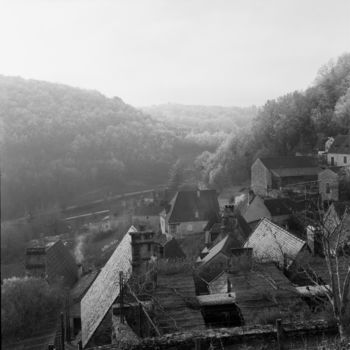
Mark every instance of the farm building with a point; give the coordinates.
(52, 261)
(189, 212)
(272, 243)
(274, 173)
(339, 151)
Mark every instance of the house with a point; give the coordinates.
(52, 261)
(337, 216)
(250, 296)
(328, 184)
(277, 210)
(168, 249)
(214, 260)
(189, 212)
(272, 243)
(339, 151)
(148, 215)
(274, 173)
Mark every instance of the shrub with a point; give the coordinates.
(26, 305)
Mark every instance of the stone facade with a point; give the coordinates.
(328, 183)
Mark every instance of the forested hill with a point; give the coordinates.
(64, 145)
(293, 121)
(203, 118)
(60, 141)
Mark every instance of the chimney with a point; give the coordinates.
(241, 259)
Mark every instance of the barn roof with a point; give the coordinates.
(341, 145)
(288, 162)
(186, 204)
(105, 288)
(273, 243)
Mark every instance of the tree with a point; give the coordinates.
(335, 244)
(176, 175)
(27, 304)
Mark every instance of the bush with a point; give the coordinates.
(27, 304)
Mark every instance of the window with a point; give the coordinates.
(345, 160)
(328, 188)
(332, 160)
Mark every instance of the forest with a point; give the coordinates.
(60, 143)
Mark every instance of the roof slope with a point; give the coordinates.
(105, 288)
(80, 288)
(255, 291)
(272, 243)
(174, 293)
(186, 203)
(172, 250)
(60, 262)
(341, 145)
(288, 162)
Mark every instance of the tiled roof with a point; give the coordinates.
(341, 145)
(288, 162)
(186, 204)
(272, 243)
(105, 289)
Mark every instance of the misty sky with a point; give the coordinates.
(218, 52)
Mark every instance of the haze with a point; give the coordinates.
(186, 51)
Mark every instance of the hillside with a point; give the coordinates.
(203, 118)
(61, 141)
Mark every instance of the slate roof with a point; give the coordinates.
(341, 145)
(186, 203)
(105, 288)
(278, 206)
(288, 162)
(272, 243)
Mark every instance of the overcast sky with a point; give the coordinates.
(217, 52)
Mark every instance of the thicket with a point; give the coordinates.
(27, 305)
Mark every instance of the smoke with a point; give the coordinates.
(240, 199)
(79, 249)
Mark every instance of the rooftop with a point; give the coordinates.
(288, 162)
(341, 145)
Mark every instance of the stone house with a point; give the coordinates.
(328, 184)
(148, 215)
(52, 261)
(189, 212)
(339, 151)
(274, 173)
(272, 243)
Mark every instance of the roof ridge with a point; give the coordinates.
(281, 228)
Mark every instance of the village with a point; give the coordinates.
(270, 265)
